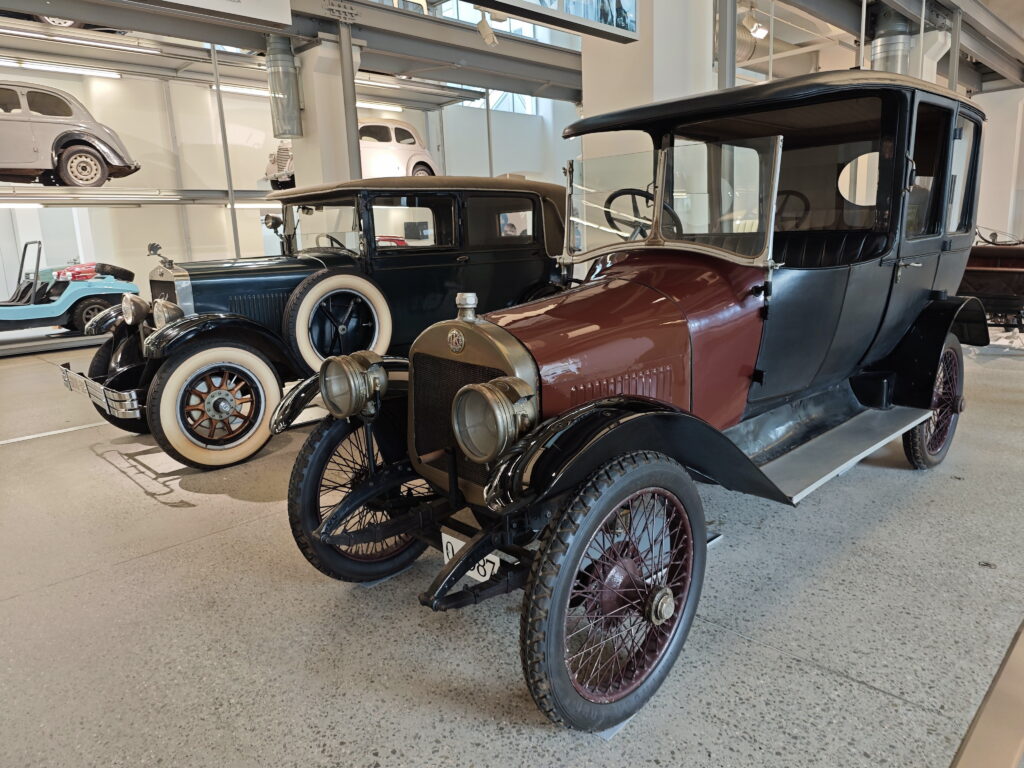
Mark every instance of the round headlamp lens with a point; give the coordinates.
(165, 312)
(478, 423)
(134, 309)
(348, 382)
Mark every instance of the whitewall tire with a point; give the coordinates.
(333, 312)
(210, 406)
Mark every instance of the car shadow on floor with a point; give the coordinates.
(264, 478)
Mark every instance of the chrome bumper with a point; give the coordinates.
(123, 405)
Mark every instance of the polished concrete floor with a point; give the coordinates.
(151, 614)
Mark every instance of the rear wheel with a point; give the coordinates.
(613, 592)
(927, 444)
(82, 166)
(332, 465)
(99, 367)
(422, 169)
(86, 309)
(210, 405)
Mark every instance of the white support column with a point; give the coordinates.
(322, 154)
(673, 58)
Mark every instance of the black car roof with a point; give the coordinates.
(664, 115)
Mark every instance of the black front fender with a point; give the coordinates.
(105, 321)
(174, 337)
(560, 454)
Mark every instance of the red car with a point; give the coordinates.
(770, 299)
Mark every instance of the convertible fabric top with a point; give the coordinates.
(552, 195)
(665, 115)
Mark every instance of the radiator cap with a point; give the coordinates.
(466, 303)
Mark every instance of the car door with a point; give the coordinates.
(405, 147)
(51, 115)
(504, 247)
(18, 148)
(915, 266)
(417, 260)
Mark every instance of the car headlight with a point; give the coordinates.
(134, 308)
(348, 382)
(165, 312)
(489, 418)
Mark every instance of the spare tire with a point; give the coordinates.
(334, 312)
(118, 273)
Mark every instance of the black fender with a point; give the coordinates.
(563, 452)
(67, 138)
(105, 321)
(915, 360)
(175, 337)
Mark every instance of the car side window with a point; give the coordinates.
(48, 104)
(965, 140)
(379, 133)
(924, 216)
(10, 104)
(402, 136)
(413, 221)
(499, 221)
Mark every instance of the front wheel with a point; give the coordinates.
(210, 405)
(927, 444)
(613, 591)
(333, 463)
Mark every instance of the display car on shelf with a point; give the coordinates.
(995, 275)
(769, 300)
(386, 148)
(49, 136)
(365, 265)
(69, 296)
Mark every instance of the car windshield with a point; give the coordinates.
(714, 194)
(327, 225)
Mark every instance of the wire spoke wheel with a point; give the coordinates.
(927, 444)
(945, 403)
(220, 405)
(350, 465)
(627, 595)
(613, 591)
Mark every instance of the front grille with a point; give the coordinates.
(267, 309)
(163, 289)
(432, 408)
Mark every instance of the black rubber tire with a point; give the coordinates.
(915, 440)
(86, 309)
(67, 157)
(166, 387)
(307, 296)
(98, 369)
(541, 639)
(422, 169)
(304, 511)
(118, 273)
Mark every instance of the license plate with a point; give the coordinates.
(484, 568)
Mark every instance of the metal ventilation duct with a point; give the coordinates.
(890, 50)
(283, 81)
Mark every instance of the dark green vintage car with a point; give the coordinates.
(364, 265)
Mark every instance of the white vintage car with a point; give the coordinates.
(386, 147)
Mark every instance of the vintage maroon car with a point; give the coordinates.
(995, 275)
(768, 301)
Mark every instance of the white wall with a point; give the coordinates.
(1001, 201)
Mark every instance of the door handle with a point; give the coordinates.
(913, 264)
(462, 259)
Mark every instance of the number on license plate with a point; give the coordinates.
(482, 570)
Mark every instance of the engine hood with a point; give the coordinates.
(263, 265)
(643, 324)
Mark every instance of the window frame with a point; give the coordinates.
(394, 132)
(970, 198)
(387, 253)
(385, 126)
(942, 168)
(536, 222)
(22, 113)
(32, 113)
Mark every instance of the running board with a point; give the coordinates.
(828, 455)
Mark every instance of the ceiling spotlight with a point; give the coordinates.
(755, 27)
